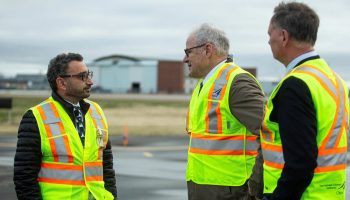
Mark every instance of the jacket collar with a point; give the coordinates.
(68, 106)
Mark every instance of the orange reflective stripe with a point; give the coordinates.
(344, 118)
(94, 178)
(65, 137)
(93, 164)
(49, 134)
(65, 182)
(55, 132)
(217, 109)
(266, 131)
(62, 166)
(329, 134)
(340, 134)
(222, 94)
(318, 78)
(66, 143)
(228, 137)
(322, 152)
(271, 147)
(229, 72)
(52, 142)
(42, 113)
(338, 97)
(330, 168)
(222, 70)
(218, 116)
(320, 81)
(53, 108)
(273, 164)
(222, 152)
(208, 109)
(99, 153)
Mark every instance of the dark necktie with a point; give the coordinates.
(79, 123)
(200, 87)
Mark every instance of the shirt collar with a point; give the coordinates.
(74, 105)
(296, 60)
(212, 71)
(69, 106)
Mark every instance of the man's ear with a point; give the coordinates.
(209, 49)
(285, 37)
(61, 83)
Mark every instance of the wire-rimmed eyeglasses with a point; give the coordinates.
(83, 75)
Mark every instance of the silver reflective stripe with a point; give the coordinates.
(322, 160)
(272, 156)
(76, 175)
(337, 128)
(223, 144)
(94, 171)
(251, 145)
(50, 116)
(53, 122)
(99, 125)
(213, 118)
(95, 115)
(320, 75)
(217, 144)
(219, 84)
(331, 160)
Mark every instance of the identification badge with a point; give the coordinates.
(100, 135)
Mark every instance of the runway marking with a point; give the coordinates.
(147, 154)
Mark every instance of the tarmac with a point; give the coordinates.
(149, 168)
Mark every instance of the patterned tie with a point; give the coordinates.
(79, 123)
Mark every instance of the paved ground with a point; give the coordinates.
(150, 168)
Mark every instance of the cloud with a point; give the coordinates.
(35, 31)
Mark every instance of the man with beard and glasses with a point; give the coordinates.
(63, 150)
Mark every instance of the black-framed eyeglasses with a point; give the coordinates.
(189, 50)
(83, 75)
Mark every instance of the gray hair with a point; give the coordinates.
(208, 34)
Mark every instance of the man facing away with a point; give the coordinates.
(63, 150)
(304, 135)
(224, 119)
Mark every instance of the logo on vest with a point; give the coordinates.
(216, 93)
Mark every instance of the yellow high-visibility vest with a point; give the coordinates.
(221, 150)
(330, 97)
(69, 170)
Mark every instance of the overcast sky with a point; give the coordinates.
(32, 32)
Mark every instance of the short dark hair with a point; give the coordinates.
(298, 19)
(58, 66)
